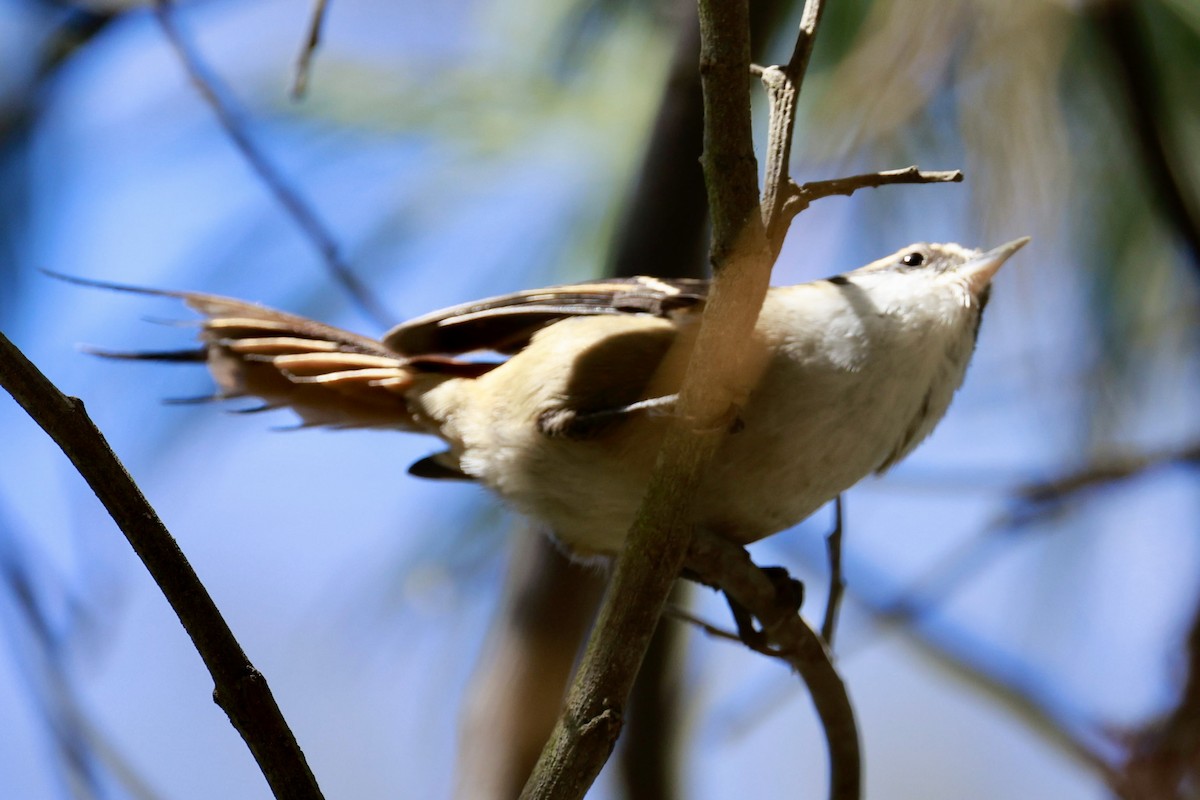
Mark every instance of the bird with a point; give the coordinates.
(556, 399)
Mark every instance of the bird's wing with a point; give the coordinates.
(328, 376)
(336, 378)
(505, 324)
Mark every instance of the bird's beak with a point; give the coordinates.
(979, 270)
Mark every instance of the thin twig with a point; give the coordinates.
(230, 118)
(783, 85)
(783, 95)
(304, 61)
(837, 582)
(1051, 493)
(782, 199)
(717, 632)
(800, 197)
(719, 562)
(806, 37)
(240, 689)
(676, 611)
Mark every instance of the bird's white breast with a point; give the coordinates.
(852, 388)
(852, 384)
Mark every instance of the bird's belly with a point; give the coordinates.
(754, 492)
(795, 451)
(587, 493)
(793, 457)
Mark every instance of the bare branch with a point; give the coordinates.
(241, 690)
(806, 37)
(1103, 471)
(730, 167)
(717, 632)
(304, 61)
(304, 216)
(678, 612)
(719, 375)
(783, 86)
(720, 562)
(837, 582)
(800, 197)
(783, 95)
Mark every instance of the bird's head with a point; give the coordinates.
(932, 283)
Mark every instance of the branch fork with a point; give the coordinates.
(748, 231)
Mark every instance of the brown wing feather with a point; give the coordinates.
(506, 323)
(327, 375)
(333, 377)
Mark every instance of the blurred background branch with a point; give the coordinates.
(1123, 29)
(309, 48)
(219, 99)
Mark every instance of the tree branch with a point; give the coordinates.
(783, 86)
(799, 197)
(837, 581)
(719, 376)
(311, 41)
(719, 562)
(240, 689)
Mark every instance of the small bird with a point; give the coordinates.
(557, 398)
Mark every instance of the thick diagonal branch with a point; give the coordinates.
(715, 380)
(240, 689)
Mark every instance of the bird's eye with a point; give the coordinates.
(912, 260)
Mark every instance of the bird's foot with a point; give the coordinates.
(789, 595)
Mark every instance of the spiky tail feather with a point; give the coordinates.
(328, 376)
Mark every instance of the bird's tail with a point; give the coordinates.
(328, 376)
